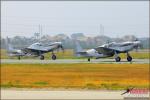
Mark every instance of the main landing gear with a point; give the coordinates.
(118, 59)
(41, 57)
(89, 59)
(54, 57)
(19, 57)
(129, 58)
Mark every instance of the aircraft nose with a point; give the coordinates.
(59, 43)
(138, 44)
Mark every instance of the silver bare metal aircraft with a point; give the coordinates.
(36, 49)
(109, 50)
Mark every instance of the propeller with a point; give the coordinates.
(60, 47)
(138, 44)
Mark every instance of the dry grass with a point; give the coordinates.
(80, 76)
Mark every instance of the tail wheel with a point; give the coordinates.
(118, 59)
(41, 57)
(129, 58)
(89, 59)
(54, 57)
(19, 57)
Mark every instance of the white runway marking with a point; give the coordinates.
(71, 61)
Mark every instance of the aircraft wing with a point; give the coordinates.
(81, 53)
(37, 49)
(32, 51)
(105, 50)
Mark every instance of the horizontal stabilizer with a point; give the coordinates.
(78, 51)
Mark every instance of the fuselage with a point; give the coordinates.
(44, 48)
(93, 53)
(113, 47)
(35, 49)
(122, 47)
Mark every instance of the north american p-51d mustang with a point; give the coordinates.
(109, 50)
(36, 49)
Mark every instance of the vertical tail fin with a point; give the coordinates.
(77, 49)
(8, 45)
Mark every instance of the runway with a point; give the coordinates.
(76, 95)
(72, 61)
(72, 94)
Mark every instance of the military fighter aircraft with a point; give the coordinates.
(36, 49)
(109, 50)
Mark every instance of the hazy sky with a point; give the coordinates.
(117, 17)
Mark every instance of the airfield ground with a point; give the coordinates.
(75, 76)
(72, 78)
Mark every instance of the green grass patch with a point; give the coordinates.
(40, 83)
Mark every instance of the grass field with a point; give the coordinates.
(75, 76)
(69, 54)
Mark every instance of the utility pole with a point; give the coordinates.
(40, 32)
(101, 29)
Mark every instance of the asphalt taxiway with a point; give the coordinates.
(72, 61)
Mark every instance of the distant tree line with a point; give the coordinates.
(69, 42)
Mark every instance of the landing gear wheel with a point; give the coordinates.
(129, 58)
(54, 57)
(89, 59)
(118, 59)
(19, 57)
(41, 57)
